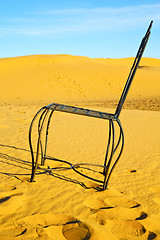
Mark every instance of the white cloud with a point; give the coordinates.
(48, 22)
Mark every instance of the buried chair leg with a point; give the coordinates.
(39, 144)
(46, 138)
(108, 147)
(121, 139)
(110, 156)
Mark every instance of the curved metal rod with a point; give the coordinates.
(122, 134)
(111, 154)
(30, 135)
(59, 160)
(46, 140)
(33, 166)
(42, 155)
(108, 145)
(91, 178)
(40, 127)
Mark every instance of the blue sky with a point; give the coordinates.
(93, 28)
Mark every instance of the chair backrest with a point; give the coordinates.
(133, 70)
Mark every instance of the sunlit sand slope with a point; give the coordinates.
(63, 205)
(65, 78)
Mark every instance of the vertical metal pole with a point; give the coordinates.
(40, 127)
(122, 146)
(30, 137)
(108, 146)
(111, 154)
(47, 129)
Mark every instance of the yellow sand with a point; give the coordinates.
(63, 205)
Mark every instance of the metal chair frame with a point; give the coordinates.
(45, 114)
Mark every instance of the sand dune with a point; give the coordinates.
(61, 204)
(65, 78)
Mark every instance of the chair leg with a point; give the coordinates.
(46, 138)
(108, 146)
(109, 156)
(39, 144)
(120, 140)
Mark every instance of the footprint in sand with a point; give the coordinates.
(6, 188)
(107, 199)
(4, 199)
(11, 203)
(122, 224)
(47, 226)
(76, 231)
(106, 206)
(129, 229)
(5, 195)
(102, 215)
(119, 214)
(113, 205)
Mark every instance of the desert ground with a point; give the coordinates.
(61, 204)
